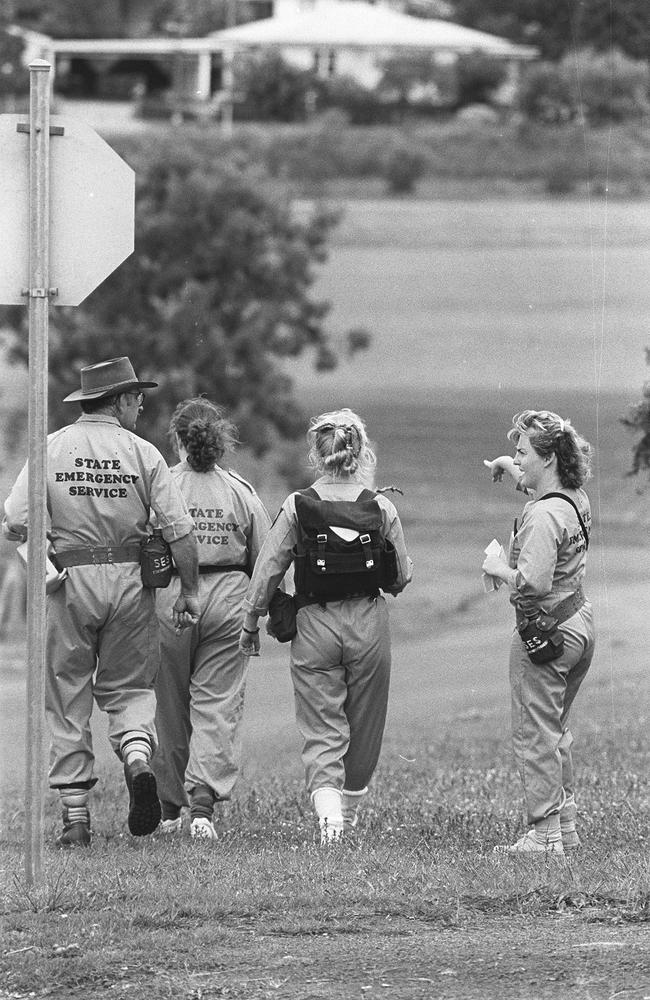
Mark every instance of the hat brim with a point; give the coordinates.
(111, 390)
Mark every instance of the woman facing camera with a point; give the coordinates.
(553, 643)
(346, 543)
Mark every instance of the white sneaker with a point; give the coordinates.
(330, 833)
(529, 844)
(202, 829)
(170, 827)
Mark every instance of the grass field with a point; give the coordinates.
(416, 906)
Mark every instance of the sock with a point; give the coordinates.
(350, 802)
(170, 810)
(135, 746)
(201, 802)
(568, 815)
(547, 831)
(327, 803)
(75, 804)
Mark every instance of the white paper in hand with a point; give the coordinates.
(492, 583)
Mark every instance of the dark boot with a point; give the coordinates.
(76, 833)
(144, 807)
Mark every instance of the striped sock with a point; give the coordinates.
(135, 746)
(75, 804)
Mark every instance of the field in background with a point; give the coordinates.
(549, 312)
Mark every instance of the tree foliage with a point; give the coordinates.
(215, 295)
(594, 86)
(270, 89)
(14, 76)
(559, 27)
(637, 419)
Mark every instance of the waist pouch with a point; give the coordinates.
(282, 616)
(155, 562)
(542, 635)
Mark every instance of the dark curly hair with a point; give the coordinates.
(204, 431)
(550, 435)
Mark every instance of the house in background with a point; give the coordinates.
(333, 37)
(354, 38)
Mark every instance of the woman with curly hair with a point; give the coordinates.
(202, 675)
(346, 543)
(553, 643)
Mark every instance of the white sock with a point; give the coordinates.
(327, 803)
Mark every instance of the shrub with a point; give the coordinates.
(599, 87)
(402, 167)
(561, 175)
(361, 105)
(479, 76)
(547, 96)
(269, 89)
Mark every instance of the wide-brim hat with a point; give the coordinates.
(106, 379)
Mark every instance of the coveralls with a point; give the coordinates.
(102, 483)
(202, 675)
(548, 551)
(340, 656)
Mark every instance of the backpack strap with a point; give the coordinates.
(563, 496)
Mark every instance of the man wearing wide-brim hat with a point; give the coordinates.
(103, 485)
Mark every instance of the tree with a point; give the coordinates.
(558, 28)
(637, 419)
(216, 293)
(14, 76)
(479, 76)
(270, 89)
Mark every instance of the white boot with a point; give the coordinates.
(350, 802)
(327, 803)
(544, 838)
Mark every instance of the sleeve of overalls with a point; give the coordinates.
(273, 560)
(392, 528)
(538, 539)
(17, 506)
(168, 502)
(257, 526)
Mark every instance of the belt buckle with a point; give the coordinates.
(109, 555)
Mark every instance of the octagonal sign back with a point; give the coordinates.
(92, 199)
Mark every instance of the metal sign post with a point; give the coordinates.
(75, 201)
(38, 298)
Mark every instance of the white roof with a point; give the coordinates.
(356, 24)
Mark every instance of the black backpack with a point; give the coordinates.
(328, 568)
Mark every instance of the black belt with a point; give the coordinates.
(302, 600)
(226, 568)
(98, 555)
(562, 611)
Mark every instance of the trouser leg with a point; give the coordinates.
(217, 688)
(127, 659)
(541, 696)
(320, 691)
(172, 691)
(368, 663)
(71, 656)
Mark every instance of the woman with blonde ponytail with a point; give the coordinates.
(347, 546)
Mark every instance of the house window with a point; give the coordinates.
(316, 62)
(331, 62)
